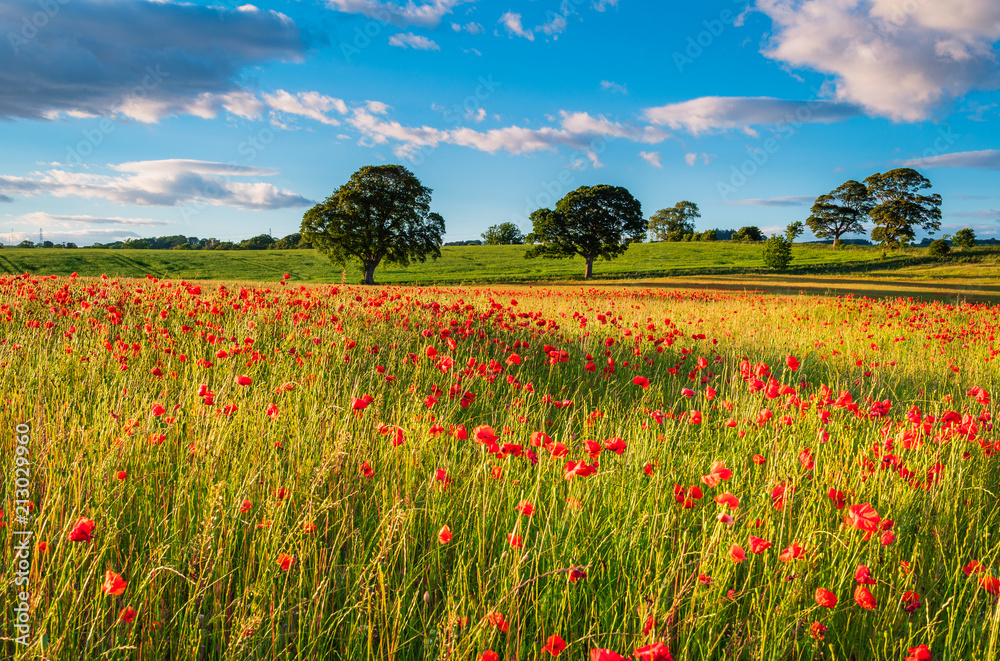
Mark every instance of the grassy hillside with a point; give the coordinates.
(457, 264)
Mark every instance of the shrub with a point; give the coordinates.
(938, 248)
(964, 238)
(777, 252)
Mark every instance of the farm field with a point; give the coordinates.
(278, 470)
(457, 265)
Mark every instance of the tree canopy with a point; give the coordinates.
(673, 223)
(381, 214)
(899, 208)
(749, 234)
(504, 234)
(841, 211)
(592, 221)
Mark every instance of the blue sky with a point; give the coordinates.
(214, 119)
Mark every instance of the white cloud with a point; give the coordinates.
(897, 58)
(415, 41)
(312, 105)
(512, 22)
(692, 158)
(651, 157)
(601, 5)
(986, 159)
(62, 221)
(423, 14)
(614, 87)
(161, 183)
(471, 28)
(720, 113)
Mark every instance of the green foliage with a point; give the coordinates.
(504, 234)
(899, 208)
(290, 242)
(381, 214)
(965, 238)
(938, 248)
(259, 242)
(794, 231)
(592, 221)
(749, 234)
(777, 252)
(675, 223)
(709, 235)
(841, 211)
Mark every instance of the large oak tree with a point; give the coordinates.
(899, 208)
(841, 211)
(592, 221)
(673, 223)
(381, 214)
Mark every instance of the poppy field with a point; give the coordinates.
(282, 471)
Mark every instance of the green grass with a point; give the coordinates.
(464, 264)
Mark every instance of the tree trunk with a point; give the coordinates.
(369, 269)
(835, 239)
(590, 267)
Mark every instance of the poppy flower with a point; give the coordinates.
(863, 575)
(737, 553)
(653, 652)
(366, 469)
(719, 468)
(113, 584)
(641, 381)
(792, 362)
(911, 601)
(525, 508)
(43, 547)
(649, 468)
(541, 439)
(759, 459)
(576, 574)
(728, 499)
(818, 631)
(990, 584)
(615, 445)
(687, 392)
(360, 404)
(554, 645)
(244, 380)
(497, 620)
(918, 653)
(488, 655)
(126, 615)
(285, 561)
(863, 597)
(444, 535)
(121, 475)
(863, 517)
(308, 527)
(759, 545)
(793, 552)
(158, 410)
(974, 567)
(825, 598)
(605, 655)
(515, 540)
(82, 530)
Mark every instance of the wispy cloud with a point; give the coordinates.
(613, 87)
(790, 201)
(709, 114)
(420, 14)
(986, 159)
(512, 22)
(651, 157)
(414, 41)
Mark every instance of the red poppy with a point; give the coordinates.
(554, 645)
(654, 652)
(792, 362)
(121, 475)
(308, 527)
(990, 584)
(737, 553)
(793, 552)
(113, 583)
(758, 544)
(525, 508)
(82, 530)
(362, 403)
(605, 655)
(863, 517)
(497, 620)
(515, 541)
(444, 535)
(615, 445)
(818, 631)
(918, 653)
(126, 615)
(285, 561)
(366, 469)
(728, 499)
(759, 459)
(641, 381)
(825, 598)
(244, 380)
(719, 468)
(489, 655)
(974, 567)
(911, 601)
(863, 575)
(863, 597)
